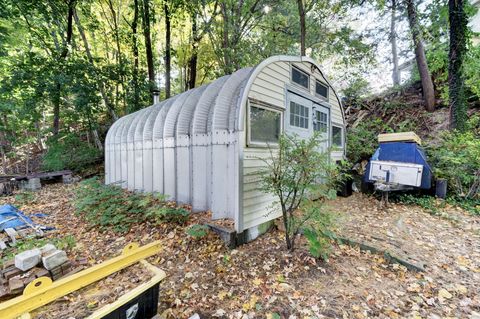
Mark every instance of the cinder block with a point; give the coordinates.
(47, 249)
(54, 259)
(27, 259)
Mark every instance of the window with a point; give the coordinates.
(265, 125)
(299, 115)
(300, 78)
(321, 121)
(337, 136)
(321, 89)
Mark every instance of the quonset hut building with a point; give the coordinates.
(202, 147)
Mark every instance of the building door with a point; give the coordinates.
(321, 123)
(299, 116)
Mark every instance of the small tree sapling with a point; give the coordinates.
(302, 179)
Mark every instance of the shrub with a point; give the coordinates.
(197, 231)
(69, 152)
(362, 139)
(456, 158)
(109, 206)
(302, 179)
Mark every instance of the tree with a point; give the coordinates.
(238, 19)
(303, 28)
(292, 175)
(134, 26)
(168, 53)
(393, 42)
(458, 47)
(63, 56)
(420, 57)
(148, 45)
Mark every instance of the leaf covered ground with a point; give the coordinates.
(260, 279)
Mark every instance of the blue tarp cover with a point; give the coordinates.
(11, 217)
(405, 152)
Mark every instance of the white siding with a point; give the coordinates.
(257, 205)
(270, 87)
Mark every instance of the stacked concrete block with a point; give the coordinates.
(28, 259)
(47, 261)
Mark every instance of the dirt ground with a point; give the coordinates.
(261, 279)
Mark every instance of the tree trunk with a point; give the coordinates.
(167, 50)
(458, 46)
(393, 41)
(192, 62)
(301, 13)
(63, 56)
(427, 84)
(148, 45)
(101, 84)
(136, 92)
(119, 54)
(226, 47)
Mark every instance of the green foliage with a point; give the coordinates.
(428, 203)
(197, 231)
(356, 88)
(24, 198)
(69, 152)
(468, 204)
(301, 178)
(64, 243)
(362, 139)
(109, 206)
(456, 158)
(435, 207)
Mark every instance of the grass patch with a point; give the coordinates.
(434, 206)
(111, 207)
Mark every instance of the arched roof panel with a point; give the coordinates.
(138, 135)
(160, 119)
(185, 116)
(148, 128)
(205, 104)
(172, 114)
(225, 101)
(133, 124)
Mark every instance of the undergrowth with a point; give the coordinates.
(435, 207)
(69, 152)
(111, 207)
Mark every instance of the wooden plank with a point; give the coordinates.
(44, 175)
(399, 137)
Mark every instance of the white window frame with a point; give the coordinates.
(342, 145)
(271, 108)
(321, 96)
(327, 123)
(308, 119)
(297, 84)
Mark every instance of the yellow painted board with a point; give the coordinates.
(400, 137)
(42, 291)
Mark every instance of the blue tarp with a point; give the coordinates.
(405, 152)
(11, 217)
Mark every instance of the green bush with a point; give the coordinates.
(357, 87)
(109, 206)
(362, 139)
(292, 174)
(456, 159)
(69, 152)
(197, 231)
